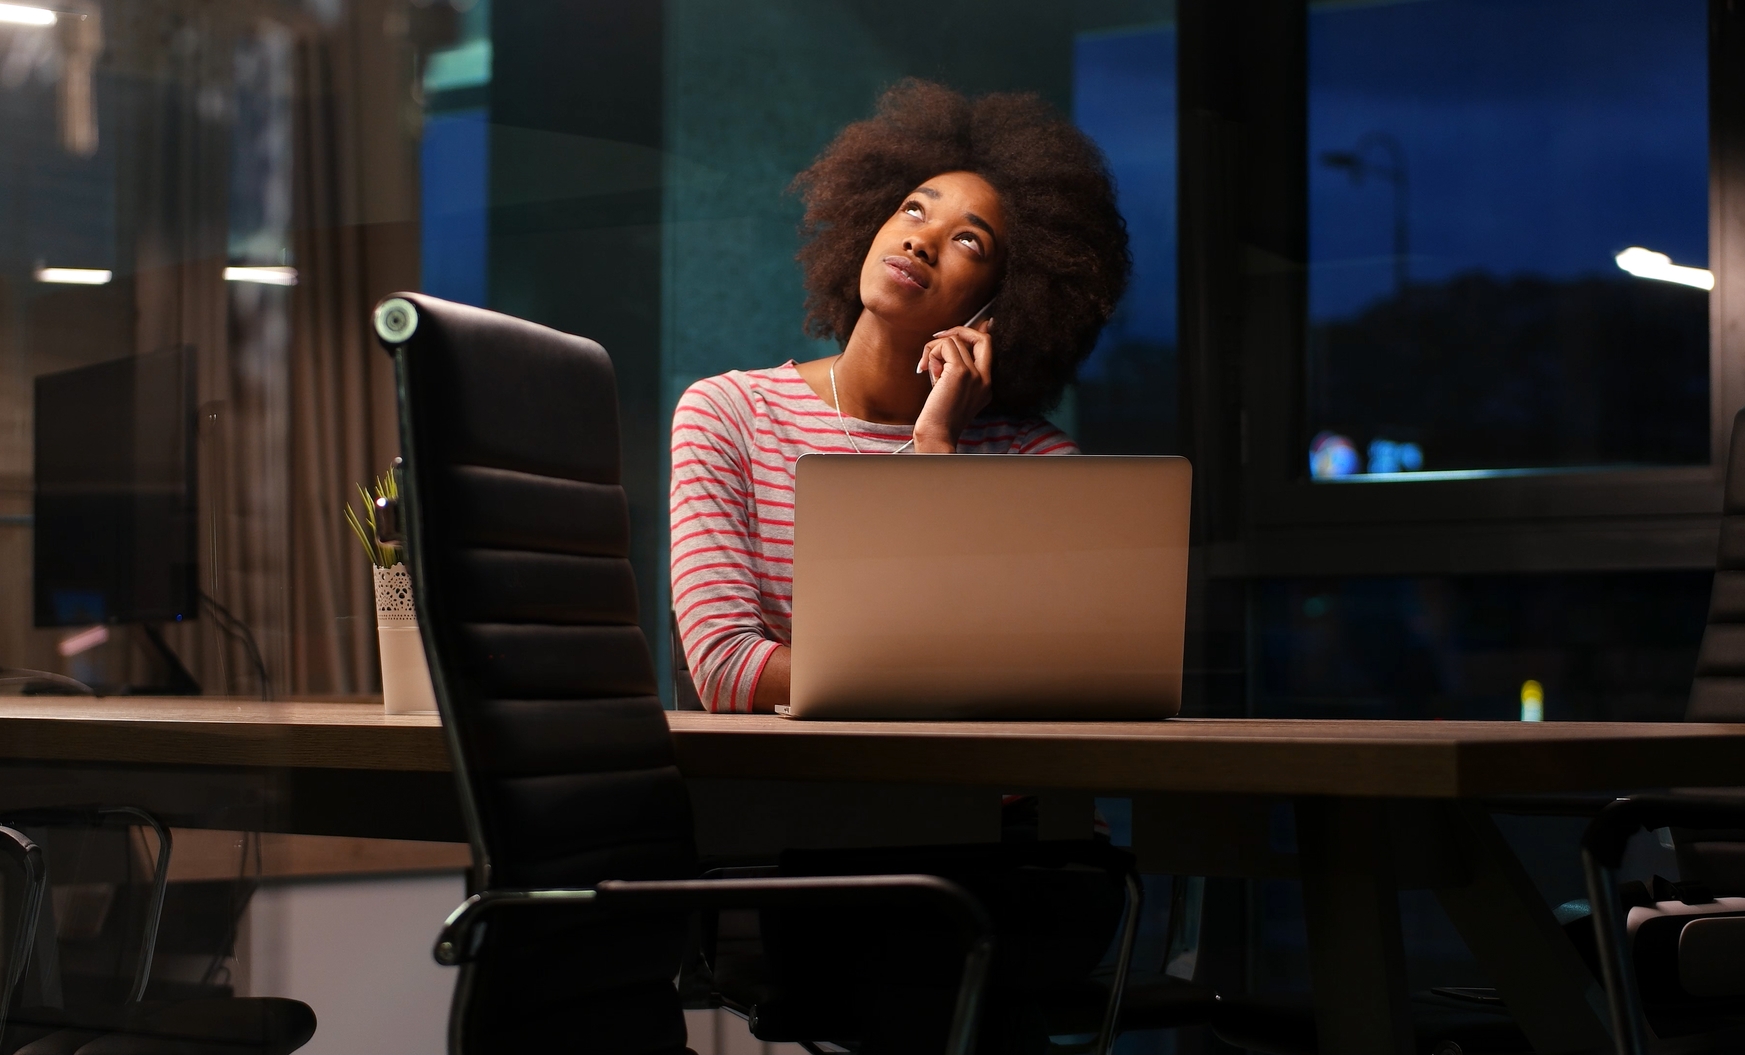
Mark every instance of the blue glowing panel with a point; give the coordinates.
(454, 168)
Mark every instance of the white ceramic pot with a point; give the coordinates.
(406, 685)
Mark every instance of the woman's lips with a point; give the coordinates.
(904, 271)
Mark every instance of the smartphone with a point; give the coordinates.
(977, 317)
(933, 378)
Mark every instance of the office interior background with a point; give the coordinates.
(1456, 426)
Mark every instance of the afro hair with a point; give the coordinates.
(1067, 260)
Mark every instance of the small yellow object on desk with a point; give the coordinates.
(1532, 701)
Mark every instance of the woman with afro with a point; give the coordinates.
(965, 254)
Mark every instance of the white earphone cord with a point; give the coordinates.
(842, 423)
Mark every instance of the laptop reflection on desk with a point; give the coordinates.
(989, 586)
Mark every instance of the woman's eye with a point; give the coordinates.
(970, 240)
(913, 208)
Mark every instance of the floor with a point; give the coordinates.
(719, 1033)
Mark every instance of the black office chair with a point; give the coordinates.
(1108, 1001)
(1678, 973)
(88, 987)
(1677, 979)
(584, 866)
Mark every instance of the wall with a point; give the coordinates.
(358, 952)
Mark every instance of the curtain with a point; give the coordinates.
(352, 250)
(268, 130)
(178, 59)
(334, 409)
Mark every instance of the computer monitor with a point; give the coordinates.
(116, 516)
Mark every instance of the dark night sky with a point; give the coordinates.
(1124, 96)
(1542, 136)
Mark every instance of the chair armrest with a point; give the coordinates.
(1602, 850)
(1550, 805)
(96, 817)
(460, 936)
(458, 942)
(1607, 835)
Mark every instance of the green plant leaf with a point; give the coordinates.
(382, 555)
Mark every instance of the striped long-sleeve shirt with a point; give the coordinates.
(735, 440)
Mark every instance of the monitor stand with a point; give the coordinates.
(177, 680)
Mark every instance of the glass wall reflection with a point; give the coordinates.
(228, 190)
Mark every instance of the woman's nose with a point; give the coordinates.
(921, 243)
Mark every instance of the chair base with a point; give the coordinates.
(211, 1026)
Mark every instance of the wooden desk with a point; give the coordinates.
(1436, 760)
(208, 731)
(301, 767)
(1390, 759)
(1379, 805)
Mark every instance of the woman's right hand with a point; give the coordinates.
(960, 363)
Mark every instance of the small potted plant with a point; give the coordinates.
(406, 687)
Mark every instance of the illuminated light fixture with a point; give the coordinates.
(74, 276)
(23, 15)
(266, 276)
(1532, 701)
(1646, 263)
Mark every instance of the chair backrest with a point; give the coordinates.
(517, 538)
(22, 881)
(518, 544)
(1718, 692)
(107, 870)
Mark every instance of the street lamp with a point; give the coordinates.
(1357, 164)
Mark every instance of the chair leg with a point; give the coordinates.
(1616, 967)
(1123, 960)
(968, 1014)
(1187, 909)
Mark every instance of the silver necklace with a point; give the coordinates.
(842, 424)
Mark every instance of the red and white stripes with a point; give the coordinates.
(735, 440)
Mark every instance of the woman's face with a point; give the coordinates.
(939, 258)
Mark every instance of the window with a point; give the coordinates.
(1508, 236)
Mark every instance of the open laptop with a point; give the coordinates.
(989, 586)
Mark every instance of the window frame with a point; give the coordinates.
(1244, 285)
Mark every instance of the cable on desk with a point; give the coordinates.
(25, 675)
(236, 628)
